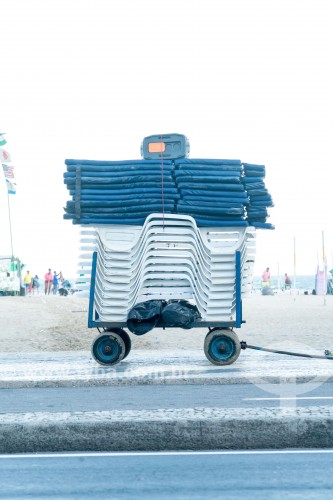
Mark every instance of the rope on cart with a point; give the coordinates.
(162, 171)
(328, 354)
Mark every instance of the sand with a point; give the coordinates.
(54, 323)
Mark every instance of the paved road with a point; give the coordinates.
(152, 397)
(182, 475)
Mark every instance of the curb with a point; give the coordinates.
(120, 382)
(165, 429)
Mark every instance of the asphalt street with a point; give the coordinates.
(103, 398)
(304, 474)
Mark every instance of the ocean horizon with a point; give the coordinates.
(303, 282)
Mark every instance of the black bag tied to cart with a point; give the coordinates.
(179, 314)
(144, 316)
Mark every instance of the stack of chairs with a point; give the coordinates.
(169, 257)
(167, 231)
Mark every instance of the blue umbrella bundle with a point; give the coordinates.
(214, 192)
(122, 192)
(211, 191)
(259, 196)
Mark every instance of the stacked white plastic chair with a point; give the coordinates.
(168, 257)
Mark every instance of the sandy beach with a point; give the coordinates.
(53, 323)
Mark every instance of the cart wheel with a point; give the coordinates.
(125, 337)
(222, 347)
(108, 349)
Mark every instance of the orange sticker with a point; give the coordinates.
(156, 147)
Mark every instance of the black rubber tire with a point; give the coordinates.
(222, 346)
(108, 349)
(126, 338)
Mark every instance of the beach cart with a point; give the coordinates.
(169, 262)
(166, 242)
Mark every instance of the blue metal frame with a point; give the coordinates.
(91, 322)
(93, 315)
(239, 308)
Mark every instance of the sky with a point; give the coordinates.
(249, 80)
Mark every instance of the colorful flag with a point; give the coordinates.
(2, 140)
(8, 170)
(4, 156)
(11, 187)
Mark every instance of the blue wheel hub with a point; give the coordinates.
(222, 348)
(107, 350)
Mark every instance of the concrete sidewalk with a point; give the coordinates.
(78, 368)
(164, 428)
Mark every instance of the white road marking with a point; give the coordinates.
(289, 398)
(162, 453)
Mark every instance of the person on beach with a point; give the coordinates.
(27, 283)
(48, 282)
(35, 285)
(287, 282)
(55, 282)
(266, 276)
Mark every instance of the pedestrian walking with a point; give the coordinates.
(27, 283)
(48, 282)
(35, 285)
(287, 282)
(55, 282)
(266, 276)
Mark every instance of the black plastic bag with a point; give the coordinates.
(179, 314)
(144, 316)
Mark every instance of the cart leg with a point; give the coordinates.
(222, 346)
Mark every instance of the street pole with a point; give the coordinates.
(324, 266)
(10, 227)
(294, 263)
